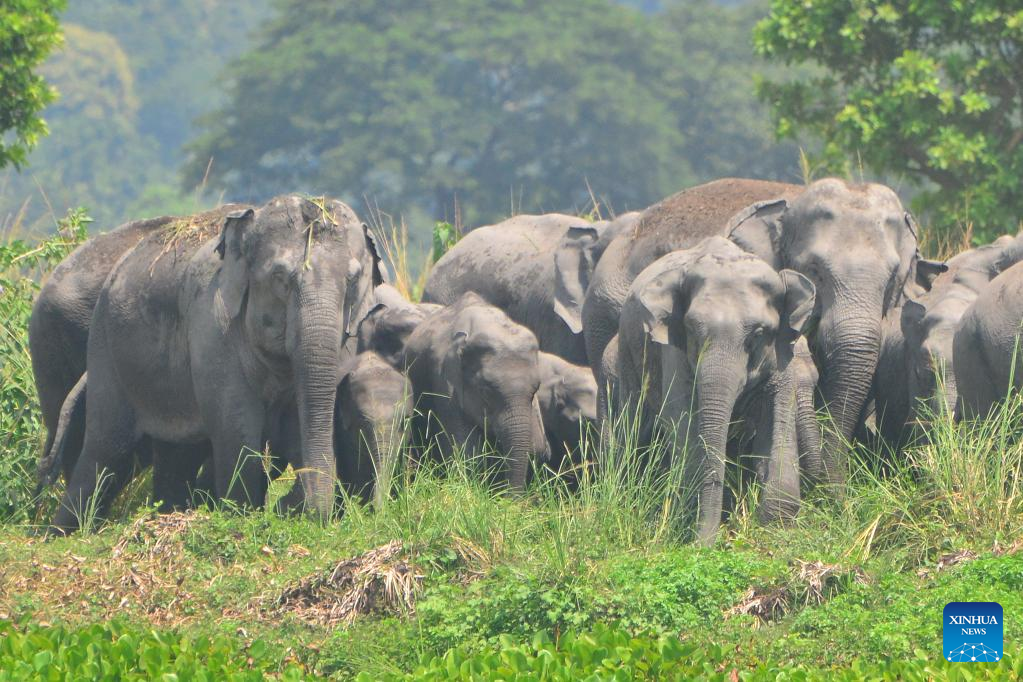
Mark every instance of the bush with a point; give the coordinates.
(114, 651)
(22, 267)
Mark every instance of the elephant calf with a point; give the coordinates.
(374, 403)
(568, 405)
(708, 333)
(387, 326)
(476, 373)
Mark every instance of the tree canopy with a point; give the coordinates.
(494, 106)
(930, 90)
(29, 30)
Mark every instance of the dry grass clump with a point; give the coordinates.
(811, 583)
(197, 228)
(379, 580)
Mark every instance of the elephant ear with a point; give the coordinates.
(800, 300)
(574, 262)
(380, 272)
(913, 314)
(757, 229)
(234, 272)
(662, 300)
(364, 330)
(927, 271)
(451, 366)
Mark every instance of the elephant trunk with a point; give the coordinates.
(520, 435)
(849, 350)
(718, 385)
(316, 370)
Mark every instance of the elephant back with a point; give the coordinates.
(686, 218)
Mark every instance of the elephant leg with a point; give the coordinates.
(176, 471)
(237, 457)
(104, 467)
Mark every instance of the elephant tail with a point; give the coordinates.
(72, 420)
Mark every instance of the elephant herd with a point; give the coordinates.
(730, 316)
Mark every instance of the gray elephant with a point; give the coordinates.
(928, 324)
(58, 331)
(858, 246)
(986, 353)
(568, 406)
(708, 333)
(374, 405)
(387, 326)
(200, 338)
(476, 373)
(535, 268)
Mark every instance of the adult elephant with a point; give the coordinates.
(200, 338)
(987, 358)
(58, 331)
(476, 374)
(929, 323)
(708, 333)
(858, 246)
(679, 222)
(535, 268)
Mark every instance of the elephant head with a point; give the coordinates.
(387, 325)
(928, 333)
(858, 246)
(574, 261)
(374, 402)
(709, 324)
(568, 400)
(294, 281)
(492, 371)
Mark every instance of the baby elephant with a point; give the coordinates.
(387, 326)
(710, 332)
(568, 404)
(477, 373)
(374, 403)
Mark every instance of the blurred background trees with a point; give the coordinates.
(472, 110)
(28, 32)
(930, 91)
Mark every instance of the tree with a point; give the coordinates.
(524, 104)
(28, 31)
(927, 89)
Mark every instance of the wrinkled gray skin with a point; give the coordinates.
(535, 268)
(985, 344)
(710, 331)
(58, 336)
(805, 377)
(858, 246)
(568, 405)
(679, 222)
(213, 340)
(476, 373)
(374, 403)
(391, 320)
(928, 324)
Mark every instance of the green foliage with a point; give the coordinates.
(28, 32)
(132, 78)
(611, 653)
(116, 651)
(927, 90)
(22, 266)
(483, 108)
(445, 235)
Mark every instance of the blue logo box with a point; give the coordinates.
(973, 631)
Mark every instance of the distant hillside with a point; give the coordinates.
(132, 76)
